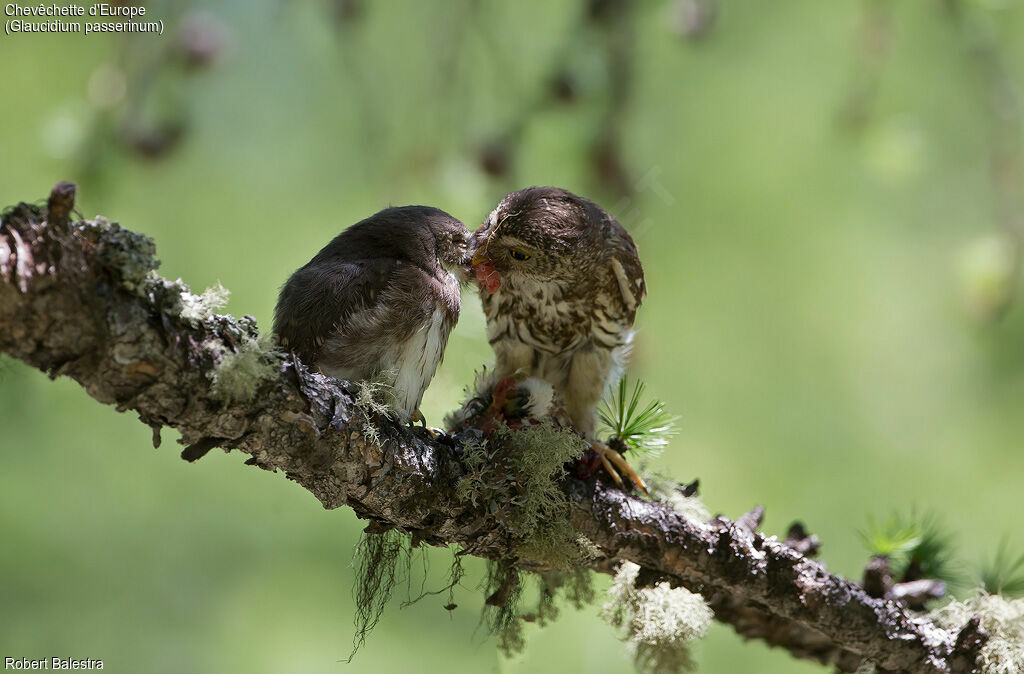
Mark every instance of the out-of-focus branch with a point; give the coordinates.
(82, 300)
(1000, 97)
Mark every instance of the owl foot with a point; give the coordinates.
(433, 432)
(611, 459)
(418, 418)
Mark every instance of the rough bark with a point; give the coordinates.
(81, 299)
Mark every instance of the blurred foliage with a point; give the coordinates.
(1003, 572)
(917, 545)
(823, 300)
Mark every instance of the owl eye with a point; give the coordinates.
(519, 255)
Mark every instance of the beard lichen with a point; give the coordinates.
(384, 559)
(576, 585)
(1002, 618)
(376, 572)
(475, 485)
(658, 622)
(503, 586)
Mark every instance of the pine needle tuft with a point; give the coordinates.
(1003, 574)
(918, 546)
(642, 427)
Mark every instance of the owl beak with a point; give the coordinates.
(479, 257)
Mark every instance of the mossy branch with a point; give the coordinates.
(82, 300)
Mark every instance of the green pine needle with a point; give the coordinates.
(641, 427)
(894, 538)
(916, 546)
(1003, 574)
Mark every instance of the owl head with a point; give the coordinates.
(423, 235)
(542, 234)
(452, 240)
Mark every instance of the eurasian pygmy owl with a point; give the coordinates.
(560, 282)
(379, 301)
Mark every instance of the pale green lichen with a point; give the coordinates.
(239, 374)
(375, 398)
(1002, 618)
(539, 517)
(519, 475)
(473, 486)
(866, 668)
(692, 508)
(203, 307)
(658, 622)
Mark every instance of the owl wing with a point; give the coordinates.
(319, 297)
(403, 333)
(628, 274)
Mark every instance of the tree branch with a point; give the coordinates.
(82, 300)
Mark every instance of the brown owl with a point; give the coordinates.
(379, 300)
(560, 282)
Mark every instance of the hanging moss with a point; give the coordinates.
(455, 575)
(504, 586)
(576, 586)
(378, 555)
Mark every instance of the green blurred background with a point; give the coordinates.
(823, 194)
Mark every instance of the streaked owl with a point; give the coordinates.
(379, 301)
(560, 281)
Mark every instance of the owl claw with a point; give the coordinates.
(611, 470)
(610, 460)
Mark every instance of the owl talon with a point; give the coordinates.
(434, 433)
(611, 471)
(611, 460)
